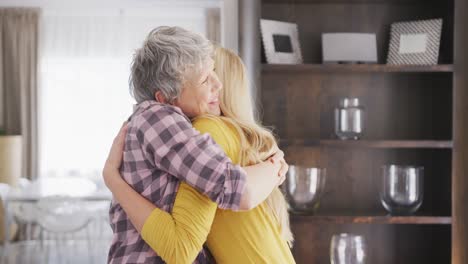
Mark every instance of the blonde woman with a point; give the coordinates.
(261, 235)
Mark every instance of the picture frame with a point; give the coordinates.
(415, 42)
(349, 47)
(281, 42)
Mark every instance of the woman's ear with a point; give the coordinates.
(160, 97)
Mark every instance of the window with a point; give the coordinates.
(84, 70)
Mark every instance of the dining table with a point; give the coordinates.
(80, 189)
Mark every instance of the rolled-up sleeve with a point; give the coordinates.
(169, 140)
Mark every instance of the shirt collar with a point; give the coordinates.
(138, 108)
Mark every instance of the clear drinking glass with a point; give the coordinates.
(304, 188)
(347, 249)
(402, 189)
(349, 119)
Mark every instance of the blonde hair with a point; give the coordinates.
(257, 142)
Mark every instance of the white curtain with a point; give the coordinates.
(84, 71)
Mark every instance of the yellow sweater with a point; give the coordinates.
(232, 237)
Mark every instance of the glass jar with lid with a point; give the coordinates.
(349, 119)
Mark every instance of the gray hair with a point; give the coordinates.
(162, 61)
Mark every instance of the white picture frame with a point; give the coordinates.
(415, 42)
(349, 47)
(281, 42)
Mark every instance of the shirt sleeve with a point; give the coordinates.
(173, 145)
(179, 237)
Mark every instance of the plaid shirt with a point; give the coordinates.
(161, 150)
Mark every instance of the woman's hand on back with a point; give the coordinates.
(114, 159)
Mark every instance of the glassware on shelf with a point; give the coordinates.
(348, 249)
(402, 189)
(304, 188)
(349, 119)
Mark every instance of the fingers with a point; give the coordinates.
(114, 158)
(120, 138)
(124, 127)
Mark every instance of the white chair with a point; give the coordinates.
(23, 183)
(63, 225)
(61, 218)
(4, 189)
(24, 214)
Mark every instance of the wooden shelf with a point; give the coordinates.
(434, 144)
(354, 68)
(346, 1)
(424, 220)
(422, 105)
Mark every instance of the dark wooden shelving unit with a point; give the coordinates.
(353, 68)
(405, 2)
(408, 144)
(403, 220)
(415, 115)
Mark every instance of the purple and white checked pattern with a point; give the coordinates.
(162, 149)
(433, 29)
